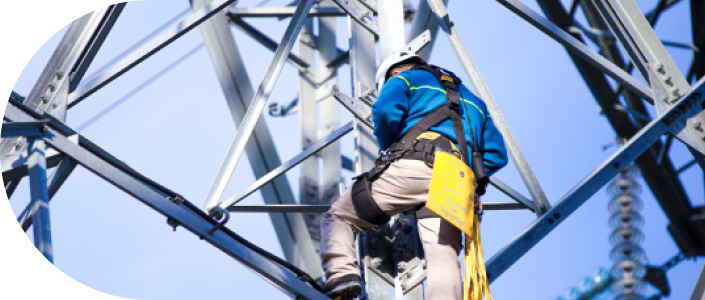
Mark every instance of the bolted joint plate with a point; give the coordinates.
(689, 131)
(360, 14)
(378, 247)
(407, 245)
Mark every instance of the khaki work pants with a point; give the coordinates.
(402, 187)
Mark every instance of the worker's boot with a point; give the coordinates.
(343, 288)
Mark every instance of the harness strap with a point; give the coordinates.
(365, 206)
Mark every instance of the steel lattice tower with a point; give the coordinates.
(35, 136)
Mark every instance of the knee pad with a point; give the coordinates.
(366, 207)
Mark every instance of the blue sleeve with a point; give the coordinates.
(391, 107)
(494, 152)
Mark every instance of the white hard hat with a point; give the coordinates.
(394, 59)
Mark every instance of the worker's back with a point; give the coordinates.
(409, 96)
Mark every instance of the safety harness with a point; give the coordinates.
(414, 144)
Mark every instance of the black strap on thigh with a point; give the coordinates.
(366, 207)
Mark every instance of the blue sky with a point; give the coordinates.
(178, 130)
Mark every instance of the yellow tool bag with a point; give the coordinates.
(451, 196)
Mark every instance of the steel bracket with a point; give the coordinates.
(361, 14)
(357, 107)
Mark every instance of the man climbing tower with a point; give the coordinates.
(420, 109)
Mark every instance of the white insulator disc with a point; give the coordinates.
(628, 269)
(626, 218)
(625, 201)
(626, 251)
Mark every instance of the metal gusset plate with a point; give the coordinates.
(361, 14)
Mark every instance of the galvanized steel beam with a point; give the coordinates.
(509, 191)
(39, 199)
(391, 23)
(64, 70)
(267, 42)
(181, 212)
(362, 64)
(686, 107)
(392, 40)
(62, 172)
(296, 160)
(360, 13)
(654, 64)
(527, 175)
(308, 128)
(298, 208)
(261, 152)
(697, 19)
(146, 51)
(23, 129)
(256, 106)
(661, 179)
(425, 20)
(578, 48)
(329, 109)
(284, 12)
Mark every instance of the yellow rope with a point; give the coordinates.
(475, 285)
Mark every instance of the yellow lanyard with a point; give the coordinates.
(450, 196)
(475, 285)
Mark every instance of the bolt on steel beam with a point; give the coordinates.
(655, 65)
(64, 70)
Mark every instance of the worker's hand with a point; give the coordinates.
(478, 208)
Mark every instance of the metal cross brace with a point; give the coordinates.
(688, 106)
(578, 48)
(653, 62)
(267, 42)
(509, 191)
(62, 172)
(515, 153)
(283, 12)
(27, 129)
(146, 51)
(39, 196)
(287, 166)
(64, 70)
(322, 208)
(284, 276)
(257, 105)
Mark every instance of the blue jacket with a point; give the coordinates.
(409, 96)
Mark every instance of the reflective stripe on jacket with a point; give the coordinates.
(410, 95)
